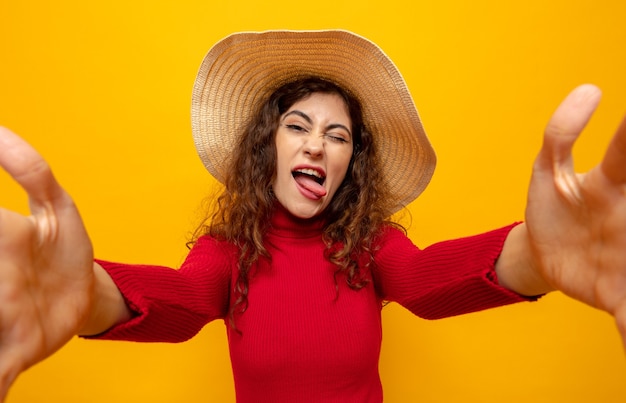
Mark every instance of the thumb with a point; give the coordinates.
(28, 168)
(566, 124)
(8, 372)
(620, 320)
(17, 157)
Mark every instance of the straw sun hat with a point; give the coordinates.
(243, 69)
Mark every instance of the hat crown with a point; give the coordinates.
(244, 69)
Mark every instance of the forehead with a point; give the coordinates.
(322, 105)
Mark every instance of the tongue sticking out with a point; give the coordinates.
(311, 185)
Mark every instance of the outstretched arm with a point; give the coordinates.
(574, 238)
(50, 289)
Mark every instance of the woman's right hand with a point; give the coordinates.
(47, 281)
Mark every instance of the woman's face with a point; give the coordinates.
(314, 148)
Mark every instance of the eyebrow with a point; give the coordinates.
(310, 121)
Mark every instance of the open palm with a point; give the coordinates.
(577, 223)
(46, 260)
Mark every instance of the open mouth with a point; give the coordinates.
(310, 182)
(310, 174)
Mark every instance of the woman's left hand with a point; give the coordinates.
(576, 223)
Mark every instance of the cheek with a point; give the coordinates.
(341, 166)
(280, 154)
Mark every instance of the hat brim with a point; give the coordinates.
(243, 69)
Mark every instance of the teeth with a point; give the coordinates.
(311, 172)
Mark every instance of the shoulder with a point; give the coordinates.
(208, 248)
(391, 244)
(390, 234)
(211, 242)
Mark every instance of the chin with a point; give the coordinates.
(304, 210)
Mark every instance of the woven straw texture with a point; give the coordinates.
(243, 69)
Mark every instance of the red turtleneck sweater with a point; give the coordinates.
(305, 337)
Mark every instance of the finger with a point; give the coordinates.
(8, 374)
(620, 320)
(28, 168)
(614, 162)
(566, 124)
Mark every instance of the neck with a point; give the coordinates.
(286, 224)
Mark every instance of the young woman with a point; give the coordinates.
(317, 142)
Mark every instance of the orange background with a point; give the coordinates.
(102, 89)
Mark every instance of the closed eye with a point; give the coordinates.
(336, 139)
(296, 128)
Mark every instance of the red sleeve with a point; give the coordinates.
(173, 305)
(446, 279)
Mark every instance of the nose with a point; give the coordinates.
(314, 145)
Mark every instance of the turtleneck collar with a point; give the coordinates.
(285, 224)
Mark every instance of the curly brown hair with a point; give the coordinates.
(361, 206)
